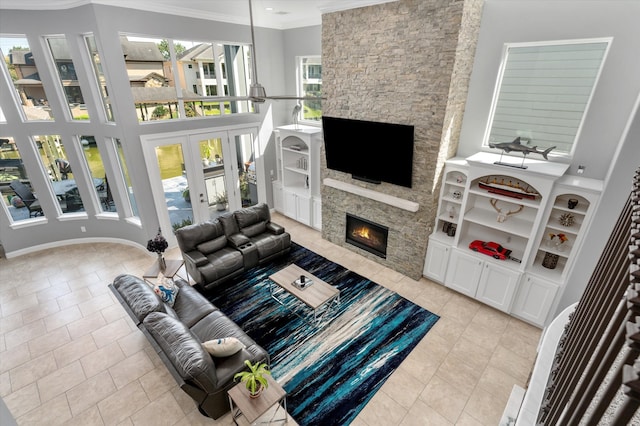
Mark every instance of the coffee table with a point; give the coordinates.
(319, 296)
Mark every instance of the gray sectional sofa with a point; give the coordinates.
(177, 333)
(220, 249)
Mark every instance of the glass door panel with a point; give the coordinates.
(246, 161)
(175, 185)
(214, 194)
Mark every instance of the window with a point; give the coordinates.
(93, 160)
(68, 78)
(12, 169)
(543, 92)
(310, 84)
(100, 78)
(125, 177)
(204, 70)
(25, 77)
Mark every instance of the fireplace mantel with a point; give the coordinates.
(373, 195)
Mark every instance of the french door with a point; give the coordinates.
(199, 176)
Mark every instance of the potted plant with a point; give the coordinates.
(254, 379)
(221, 201)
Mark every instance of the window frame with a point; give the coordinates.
(500, 79)
(300, 81)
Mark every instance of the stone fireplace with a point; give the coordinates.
(367, 235)
(405, 62)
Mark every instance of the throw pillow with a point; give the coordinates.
(223, 347)
(167, 293)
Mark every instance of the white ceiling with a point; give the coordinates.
(283, 14)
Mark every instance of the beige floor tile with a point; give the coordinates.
(74, 350)
(133, 342)
(5, 384)
(42, 310)
(164, 410)
(448, 329)
(158, 381)
(32, 287)
(460, 308)
(42, 414)
(77, 295)
(508, 361)
(465, 347)
(91, 416)
(49, 341)
(459, 373)
(382, 410)
(123, 403)
(404, 387)
(100, 360)
(23, 400)
(64, 317)
(86, 325)
(131, 368)
(53, 292)
(25, 333)
(498, 382)
(18, 304)
(11, 322)
(486, 407)
(423, 415)
(467, 420)
(111, 332)
(484, 337)
(31, 371)
(13, 357)
(91, 391)
(96, 304)
(60, 381)
(444, 398)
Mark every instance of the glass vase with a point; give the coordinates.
(161, 262)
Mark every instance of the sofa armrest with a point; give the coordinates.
(238, 240)
(274, 228)
(195, 257)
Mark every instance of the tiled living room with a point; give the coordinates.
(71, 355)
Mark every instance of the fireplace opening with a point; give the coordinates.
(367, 235)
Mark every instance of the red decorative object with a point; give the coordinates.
(490, 248)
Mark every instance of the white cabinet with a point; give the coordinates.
(534, 299)
(485, 280)
(298, 160)
(463, 273)
(537, 213)
(297, 206)
(435, 265)
(497, 286)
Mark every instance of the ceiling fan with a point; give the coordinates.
(257, 93)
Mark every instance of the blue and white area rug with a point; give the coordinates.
(330, 370)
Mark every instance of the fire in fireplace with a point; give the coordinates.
(367, 235)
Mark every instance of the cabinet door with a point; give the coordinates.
(534, 299)
(497, 286)
(303, 209)
(435, 264)
(290, 204)
(463, 273)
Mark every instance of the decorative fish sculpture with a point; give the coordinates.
(517, 146)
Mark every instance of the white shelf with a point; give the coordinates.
(297, 170)
(296, 151)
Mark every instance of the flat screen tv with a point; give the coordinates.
(368, 150)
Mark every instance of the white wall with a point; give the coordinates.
(600, 147)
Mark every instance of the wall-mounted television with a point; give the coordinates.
(369, 150)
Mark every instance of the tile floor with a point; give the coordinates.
(70, 355)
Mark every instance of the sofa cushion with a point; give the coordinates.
(255, 229)
(191, 306)
(221, 264)
(223, 347)
(229, 224)
(138, 295)
(183, 349)
(190, 236)
(269, 244)
(252, 215)
(212, 246)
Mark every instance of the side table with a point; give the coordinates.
(254, 408)
(171, 270)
